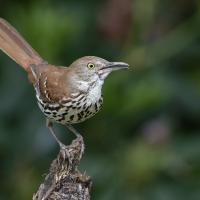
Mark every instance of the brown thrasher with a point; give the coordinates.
(66, 95)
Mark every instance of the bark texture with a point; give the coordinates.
(64, 181)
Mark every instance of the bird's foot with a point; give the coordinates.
(65, 154)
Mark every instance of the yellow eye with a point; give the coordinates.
(91, 65)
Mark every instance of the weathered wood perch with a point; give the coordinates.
(64, 181)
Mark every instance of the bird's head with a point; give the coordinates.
(92, 68)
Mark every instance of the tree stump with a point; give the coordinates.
(64, 181)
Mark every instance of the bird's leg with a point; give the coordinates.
(50, 127)
(65, 153)
(73, 130)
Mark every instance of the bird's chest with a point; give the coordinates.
(73, 109)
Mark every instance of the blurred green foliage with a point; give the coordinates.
(145, 143)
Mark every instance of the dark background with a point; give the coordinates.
(145, 143)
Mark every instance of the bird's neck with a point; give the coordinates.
(94, 93)
(92, 88)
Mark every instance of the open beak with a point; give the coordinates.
(116, 65)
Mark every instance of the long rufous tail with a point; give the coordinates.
(13, 44)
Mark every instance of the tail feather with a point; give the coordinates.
(13, 44)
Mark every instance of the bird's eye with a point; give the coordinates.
(91, 65)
